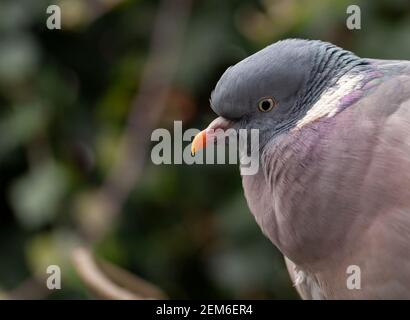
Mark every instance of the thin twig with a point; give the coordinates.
(147, 106)
(149, 103)
(108, 281)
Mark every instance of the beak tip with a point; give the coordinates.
(201, 139)
(199, 142)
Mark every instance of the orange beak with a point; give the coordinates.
(201, 139)
(199, 142)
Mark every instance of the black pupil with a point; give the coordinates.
(266, 105)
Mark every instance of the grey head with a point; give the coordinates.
(273, 88)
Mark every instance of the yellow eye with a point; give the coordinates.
(266, 104)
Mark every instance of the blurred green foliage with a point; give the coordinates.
(65, 96)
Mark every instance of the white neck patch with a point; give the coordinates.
(327, 105)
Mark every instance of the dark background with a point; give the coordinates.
(77, 107)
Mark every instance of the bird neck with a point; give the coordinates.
(345, 92)
(330, 64)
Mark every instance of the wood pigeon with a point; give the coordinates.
(333, 188)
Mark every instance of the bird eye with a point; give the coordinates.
(266, 104)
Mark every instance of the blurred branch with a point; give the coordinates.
(146, 109)
(104, 279)
(149, 103)
(108, 281)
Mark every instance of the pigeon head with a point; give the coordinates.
(256, 86)
(274, 88)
